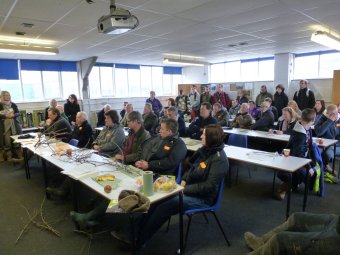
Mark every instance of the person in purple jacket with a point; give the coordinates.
(156, 104)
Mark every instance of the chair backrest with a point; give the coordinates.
(74, 142)
(179, 173)
(217, 204)
(238, 140)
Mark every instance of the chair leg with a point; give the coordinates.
(168, 225)
(220, 226)
(187, 233)
(205, 217)
(249, 173)
(273, 185)
(237, 176)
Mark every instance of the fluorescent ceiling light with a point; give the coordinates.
(26, 49)
(181, 56)
(184, 62)
(326, 39)
(25, 40)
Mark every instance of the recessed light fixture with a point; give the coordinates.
(184, 62)
(182, 55)
(27, 49)
(25, 40)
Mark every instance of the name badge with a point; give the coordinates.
(166, 148)
(338, 125)
(203, 165)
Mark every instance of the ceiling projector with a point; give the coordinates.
(117, 22)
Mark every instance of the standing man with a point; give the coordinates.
(194, 98)
(221, 97)
(9, 125)
(304, 97)
(156, 104)
(263, 95)
(182, 103)
(206, 96)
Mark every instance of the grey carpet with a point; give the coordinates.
(247, 206)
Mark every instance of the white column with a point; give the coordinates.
(283, 69)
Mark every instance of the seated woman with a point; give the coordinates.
(300, 144)
(319, 108)
(286, 122)
(111, 138)
(209, 165)
(292, 104)
(302, 233)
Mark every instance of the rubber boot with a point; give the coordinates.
(62, 191)
(8, 155)
(256, 242)
(2, 156)
(91, 218)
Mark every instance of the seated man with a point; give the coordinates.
(272, 108)
(111, 138)
(220, 114)
(243, 118)
(101, 115)
(82, 131)
(302, 233)
(161, 154)
(328, 126)
(266, 118)
(173, 114)
(235, 107)
(60, 108)
(128, 109)
(150, 119)
(199, 123)
(300, 144)
(137, 136)
(57, 126)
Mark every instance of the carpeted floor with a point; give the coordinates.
(247, 206)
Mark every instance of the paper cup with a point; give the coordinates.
(148, 183)
(320, 141)
(286, 152)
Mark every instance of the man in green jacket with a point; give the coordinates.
(137, 135)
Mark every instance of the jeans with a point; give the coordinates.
(297, 177)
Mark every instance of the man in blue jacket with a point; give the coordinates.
(328, 126)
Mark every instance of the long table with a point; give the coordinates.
(283, 138)
(85, 171)
(269, 160)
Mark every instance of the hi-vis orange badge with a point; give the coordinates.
(166, 148)
(203, 165)
(338, 125)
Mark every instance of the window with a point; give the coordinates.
(106, 81)
(232, 71)
(51, 84)
(217, 72)
(134, 82)
(32, 85)
(121, 82)
(146, 79)
(94, 83)
(266, 70)
(249, 71)
(306, 67)
(69, 81)
(157, 80)
(13, 87)
(329, 63)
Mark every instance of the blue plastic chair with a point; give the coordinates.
(179, 173)
(211, 209)
(73, 142)
(239, 141)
